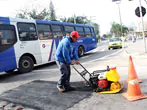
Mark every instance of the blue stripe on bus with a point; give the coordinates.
(57, 42)
(8, 60)
(52, 46)
(4, 20)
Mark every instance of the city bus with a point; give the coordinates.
(27, 43)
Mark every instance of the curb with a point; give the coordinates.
(136, 55)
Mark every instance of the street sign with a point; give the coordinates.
(137, 11)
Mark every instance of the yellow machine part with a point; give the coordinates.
(114, 88)
(112, 75)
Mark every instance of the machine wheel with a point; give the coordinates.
(80, 51)
(26, 64)
(114, 86)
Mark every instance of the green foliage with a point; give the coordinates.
(116, 29)
(49, 14)
(45, 14)
(22, 14)
(76, 19)
(52, 11)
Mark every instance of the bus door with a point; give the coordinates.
(29, 43)
(7, 52)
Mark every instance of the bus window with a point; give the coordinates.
(27, 31)
(57, 31)
(92, 31)
(68, 30)
(80, 31)
(87, 32)
(44, 32)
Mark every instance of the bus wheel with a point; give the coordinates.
(80, 51)
(26, 64)
(10, 71)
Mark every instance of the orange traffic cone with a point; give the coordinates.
(132, 69)
(133, 93)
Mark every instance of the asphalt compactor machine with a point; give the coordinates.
(101, 81)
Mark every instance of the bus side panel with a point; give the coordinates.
(8, 60)
(93, 44)
(48, 49)
(52, 51)
(45, 47)
(90, 42)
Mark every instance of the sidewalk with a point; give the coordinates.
(136, 50)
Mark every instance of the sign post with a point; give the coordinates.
(142, 13)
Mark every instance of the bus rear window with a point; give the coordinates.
(7, 35)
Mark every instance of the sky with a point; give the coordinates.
(103, 12)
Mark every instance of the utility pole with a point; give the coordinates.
(120, 16)
(74, 19)
(142, 25)
(140, 11)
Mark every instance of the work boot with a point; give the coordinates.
(61, 89)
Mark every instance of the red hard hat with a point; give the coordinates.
(75, 33)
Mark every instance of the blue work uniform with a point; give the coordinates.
(64, 54)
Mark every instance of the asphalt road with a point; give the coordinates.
(37, 90)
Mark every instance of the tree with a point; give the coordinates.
(116, 29)
(22, 14)
(125, 30)
(78, 19)
(97, 32)
(49, 14)
(45, 14)
(33, 14)
(52, 11)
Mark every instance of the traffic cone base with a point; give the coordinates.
(133, 98)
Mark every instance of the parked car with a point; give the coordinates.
(115, 43)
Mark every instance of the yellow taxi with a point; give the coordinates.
(115, 43)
